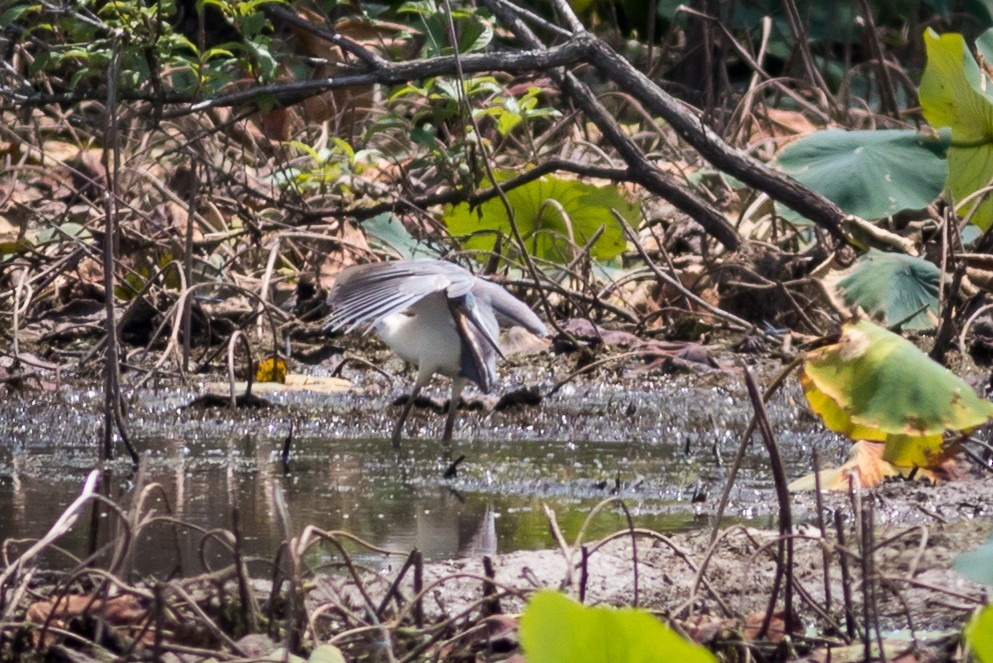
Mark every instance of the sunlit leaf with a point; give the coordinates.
(271, 369)
(875, 385)
(979, 635)
(555, 216)
(872, 174)
(893, 288)
(14, 246)
(294, 382)
(556, 629)
(953, 94)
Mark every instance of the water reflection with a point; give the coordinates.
(211, 466)
(359, 486)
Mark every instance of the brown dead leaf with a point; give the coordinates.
(88, 174)
(124, 611)
(583, 330)
(670, 355)
(707, 628)
(8, 231)
(340, 254)
(174, 219)
(348, 105)
(518, 340)
(774, 123)
(896, 651)
(59, 151)
(865, 461)
(775, 632)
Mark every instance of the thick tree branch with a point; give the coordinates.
(582, 47)
(690, 127)
(640, 168)
(392, 73)
(288, 93)
(712, 147)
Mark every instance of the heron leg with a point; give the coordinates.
(398, 429)
(458, 384)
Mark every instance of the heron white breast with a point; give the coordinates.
(425, 335)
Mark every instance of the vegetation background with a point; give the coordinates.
(181, 180)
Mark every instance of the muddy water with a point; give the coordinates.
(659, 444)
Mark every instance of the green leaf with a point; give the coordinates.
(386, 232)
(252, 24)
(979, 635)
(556, 629)
(16, 12)
(872, 174)
(977, 565)
(952, 94)
(280, 654)
(894, 288)
(555, 216)
(875, 385)
(326, 654)
(14, 247)
(475, 35)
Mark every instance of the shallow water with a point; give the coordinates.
(658, 443)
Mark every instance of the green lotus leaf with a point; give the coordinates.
(555, 216)
(872, 174)
(977, 565)
(979, 635)
(556, 629)
(893, 288)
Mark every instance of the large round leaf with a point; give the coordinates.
(893, 288)
(556, 629)
(872, 174)
(553, 215)
(875, 385)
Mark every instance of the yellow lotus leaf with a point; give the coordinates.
(875, 385)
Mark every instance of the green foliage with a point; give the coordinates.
(556, 217)
(333, 167)
(510, 111)
(953, 94)
(875, 385)
(82, 41)
(872, 174)
(436, 100)
(556, 629)
(977, 565)
(474, 31)
(894, 288)
(979, 635)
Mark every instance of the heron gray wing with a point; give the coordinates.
(508, 307)
(370, 293)
(479, 349)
